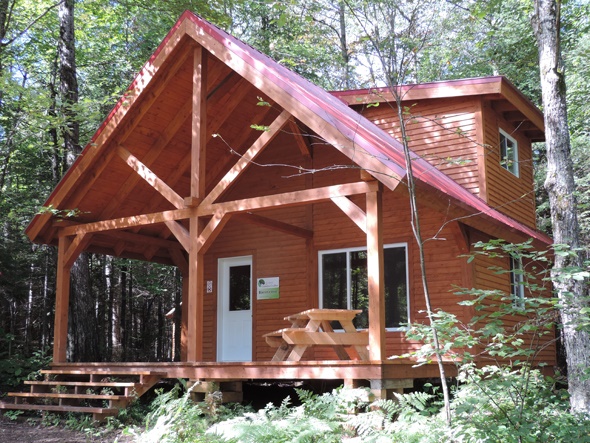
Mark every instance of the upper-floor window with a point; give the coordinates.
(508, 153)
(516, 283)
(344, 283)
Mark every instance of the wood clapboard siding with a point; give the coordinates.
(487, 277)
(295, 260)
(507, 193)
(442, 133)
(333, 230)
(274, 254)
(447, 136)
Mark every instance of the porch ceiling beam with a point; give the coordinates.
(131, 237)
(460, 236)
(180, 232)
(319, 122)
(118, 124)
(77, 245)
(223, 101)
(300, 140)
(128, 222)
(287, 199)
(152, 179)
(150, 158)
(356, 214)
(216, 171)
(275, 225)
(249, 156)
(180, 261)
(211, 231)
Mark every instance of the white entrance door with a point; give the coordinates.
(234, 318)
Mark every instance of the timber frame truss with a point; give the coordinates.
(197, 219)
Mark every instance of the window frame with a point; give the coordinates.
(503, 158)
(348, 276)
(517, 283)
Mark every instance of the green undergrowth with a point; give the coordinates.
(491, 404)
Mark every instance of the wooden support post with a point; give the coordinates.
(375, 276)
(184, 318)
(193, 309)
(62, 302)
(199, 123)
(195, 296)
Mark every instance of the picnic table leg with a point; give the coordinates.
(361, 351)
(340, 352)
(282, 352)
(297, 353)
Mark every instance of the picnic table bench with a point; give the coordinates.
(313, 327)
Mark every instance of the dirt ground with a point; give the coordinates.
(21, 431)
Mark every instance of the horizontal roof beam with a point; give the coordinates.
(128, 222)
(294, 198)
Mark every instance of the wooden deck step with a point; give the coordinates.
(75, 396)
(84, 386)
(100, 372)
(56, 408)
(106, 384)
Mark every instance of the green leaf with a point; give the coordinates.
(261, 128)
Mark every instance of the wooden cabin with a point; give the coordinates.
(274, 197)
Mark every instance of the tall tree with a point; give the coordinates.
(82, 327)
(397, 32)
(560, 187)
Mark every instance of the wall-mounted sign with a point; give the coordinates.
(268, 288)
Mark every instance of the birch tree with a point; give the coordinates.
(559, 183)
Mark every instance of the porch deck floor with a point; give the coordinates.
(266, 370)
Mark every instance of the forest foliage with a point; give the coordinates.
(318, 39)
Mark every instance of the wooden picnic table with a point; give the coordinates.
(313, 327)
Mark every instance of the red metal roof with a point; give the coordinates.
(369, 136)
(322, 104)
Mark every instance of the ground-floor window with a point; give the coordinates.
(516, 283)
(344, 283)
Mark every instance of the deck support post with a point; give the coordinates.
(194, 302)
(62, 301)
(384, 389)
(375, 275)
(184, 318)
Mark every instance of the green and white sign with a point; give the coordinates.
(268, 288)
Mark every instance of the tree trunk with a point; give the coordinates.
(83, 325)
(110, 314)
(344, 44)
(123, 316)
(178, 281)
(69, 82)
(560, 187)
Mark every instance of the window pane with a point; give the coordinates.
(335, 291)
(334, 281)
(396, 298)
(516, 283)
(359, 291)
(239, 288)
(508, 154)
